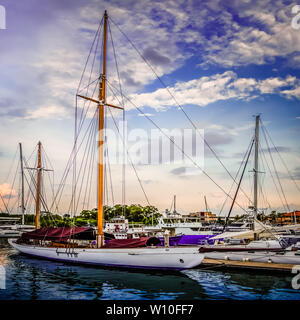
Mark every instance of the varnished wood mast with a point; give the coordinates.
(101, 104)
(102, 96)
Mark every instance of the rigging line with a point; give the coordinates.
(123, 166)
(263, 180)
(91, 49)
(281, 158)
(236, 176)
(44, 194)
(87, 151)
(46, 159)
(123, 105)
(11, 166)
(106, 161)
(275, 169)
(85, 155)
(35, 186)
(97, 79)
(48, 164)
(33, 152)
(84, 117)
(105, 193)
(264, 196)
(178, 147)
(127, 152)
(237, 190)
(77, 132)
(110, 178)
(90, 170)
(130, 160)
(29, 184)
(12, 188)
(15, 204)
(180, 107)
(92, 174)
(90, 76)
(4, 203)
(69, 166)
(273, 179)
(47, 174)
(89, 156)
(73, 153)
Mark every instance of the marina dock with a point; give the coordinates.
(245, 265)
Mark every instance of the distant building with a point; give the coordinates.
(285, 218)
(289, 218)
(205, 216)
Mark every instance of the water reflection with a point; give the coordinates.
(28, 278)
(244, 285)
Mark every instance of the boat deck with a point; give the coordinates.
(242, 265)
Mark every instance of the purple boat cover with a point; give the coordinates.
(187, 240)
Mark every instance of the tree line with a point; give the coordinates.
(135, 213)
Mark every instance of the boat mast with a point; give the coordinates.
(102, 97)
(101, 103)
(256, 165)
(22, 184)
(174, 204)
(206, 207)
(38, 188)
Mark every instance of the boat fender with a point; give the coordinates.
(226, 258)
(245, 259)
(270, 261)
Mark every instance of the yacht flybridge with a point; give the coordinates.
(60, 243)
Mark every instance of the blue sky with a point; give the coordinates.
(223, 61)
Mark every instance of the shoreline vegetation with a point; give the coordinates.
(135, 213)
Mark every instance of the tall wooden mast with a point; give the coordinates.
(38, 188)
(101, 102)
(102, 98)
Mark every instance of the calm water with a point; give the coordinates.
(28, 278)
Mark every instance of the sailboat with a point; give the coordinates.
(9, 226)
(270, 251)
(40, 242)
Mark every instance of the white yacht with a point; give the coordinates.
(9, 227)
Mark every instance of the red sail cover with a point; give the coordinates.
(128, 243)
(58, 234)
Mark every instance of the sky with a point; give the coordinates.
(219, 64)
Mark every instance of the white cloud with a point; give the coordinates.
(292, 93)
(53, 61)
(54, 112)
(145, 114)
(206, 90)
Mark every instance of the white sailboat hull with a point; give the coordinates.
(148, 258)
(288, 257)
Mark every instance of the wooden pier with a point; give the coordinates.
(214, 264)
